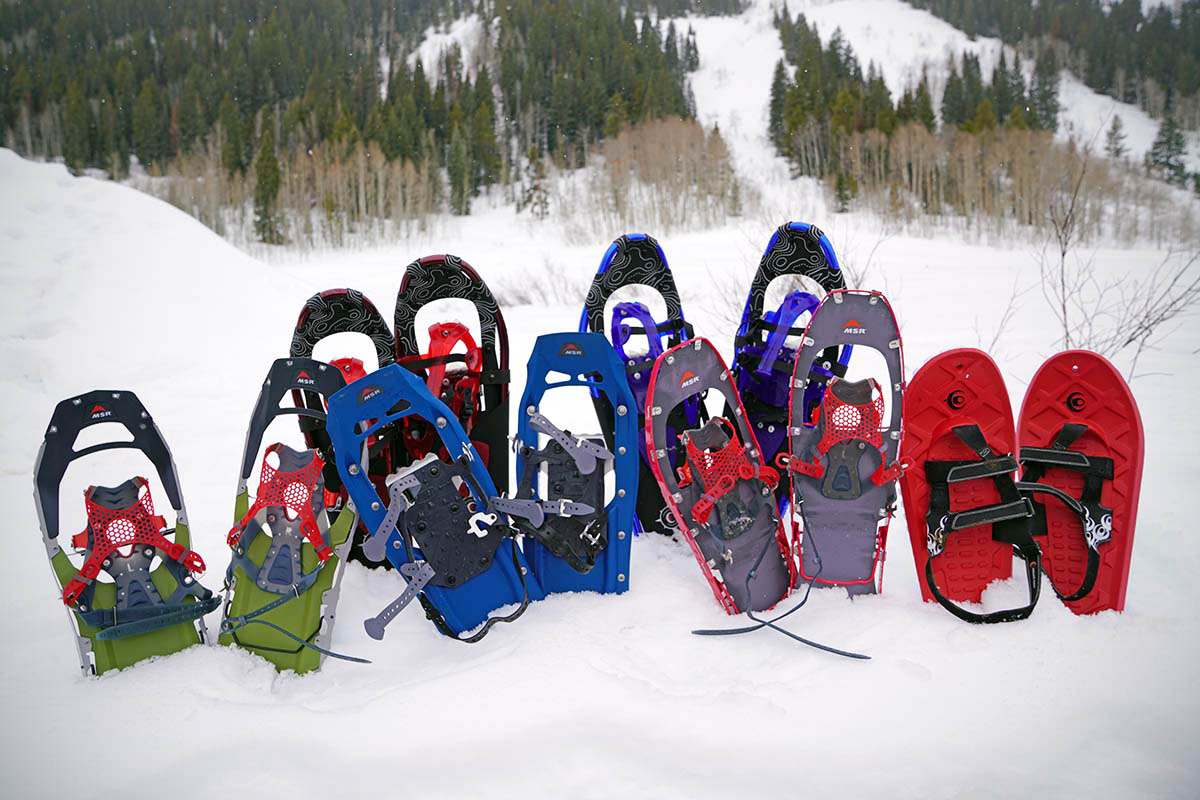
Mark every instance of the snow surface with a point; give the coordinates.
(585, 696)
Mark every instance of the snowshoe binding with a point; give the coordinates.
(436, 523)
(476, 393)
(289, 546)
(637, 260)
(574, 541)
(966, 516)
(716, 484)
(145, 609)
(763, 361)
(1081, 450)
(842, 457)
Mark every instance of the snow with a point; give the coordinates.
(585, 696)
(466, 32)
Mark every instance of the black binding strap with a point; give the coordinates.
(1095, 520)
(1009, 519)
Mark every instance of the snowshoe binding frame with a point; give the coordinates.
(148, 610)
(285, 570)
(762, 361)
(966, 516)
(842, 458)
(637, 259)
(478, 394)
(588, 550)
(437, 525)
(716, 484)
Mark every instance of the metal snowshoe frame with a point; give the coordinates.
(593, 555)
(436, 525)
(448, 277)
(843, 468)
(762, 362)
(293, 574)
(148, 610)
(748, 565)
(637, 259)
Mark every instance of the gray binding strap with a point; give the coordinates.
(584, 452)
(535, 511)
(375, 548)
(987, 515)
(417, 573)
(1056, 458)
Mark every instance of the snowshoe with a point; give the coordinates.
(325, 314)
(637, 260)
(477, 394)
(1081, 449)
(716, 484)
(147, 609)
(573, 540)
(763, 361)
(842, 456)
(284, 575)
(436, 523)
(966, 517)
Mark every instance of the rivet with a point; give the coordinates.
(621, 578)
(620, 534)
(375, 506)
(353, 469)
(441, 422)
(622, 411)
(620, 492)
(621, 450)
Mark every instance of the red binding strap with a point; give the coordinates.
(848, 421)
(721, 469)
(812, 469)
(111, 529)
(293, 491)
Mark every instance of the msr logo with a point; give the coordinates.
(688, 379)
(368, 393)
(854, 328)
(304, 379)
(570, 349)
(99, 412)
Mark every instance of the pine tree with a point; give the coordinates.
(984, 118)
(954, 111)
(1000, 89)
(1114, 139)
(77, 129)
(266, 188)
(1017, 119)
(1165, 158)
(691, 52)
(924, 105)
(779, 84)
(149, 125)
(616, 116)
(1043, 94)
(233, 150)
(458, 166)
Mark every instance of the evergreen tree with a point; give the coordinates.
(691, 51)
(616, 116)
(1114, 139)
(266, 188)
(458, 167)
(1000, 89)
(149, 125)
(233, 150)
(1043, 94)
(1017, 119)
(779, 84)
(1165, 158)
(954, 110)
(984, 118)
(189, 118)
(924, 105)
(78, 126)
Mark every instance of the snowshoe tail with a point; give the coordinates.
(145, 610)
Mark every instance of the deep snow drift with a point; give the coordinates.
(585, 696)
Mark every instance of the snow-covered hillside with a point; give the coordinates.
(585, 696)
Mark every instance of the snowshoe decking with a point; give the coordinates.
(762, 361)
(716, 484)
(435, 523)
(477, 394)
(637, 259)
(284, 575)
(590, 548)
(1081, 450)
(325, 314)
(965, 516)
(146, 610)
(842, 456)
